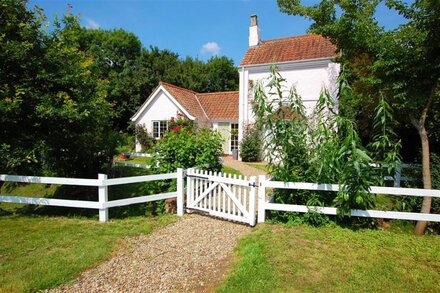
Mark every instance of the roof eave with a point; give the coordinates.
(288, 62)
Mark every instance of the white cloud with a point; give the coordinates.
(91, 23)
(210, 48)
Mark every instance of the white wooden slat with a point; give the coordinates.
(335, 188)
(221, 178)
(234, 191)
(231, 196)
(245, 189)
(228, 187)
(223, 195)
(252, 201)
(200, 197)
(358, 213)
(51, 180)
(51, 202)
(137, 179)
(139, 199)
(196, 189)
(205, 201)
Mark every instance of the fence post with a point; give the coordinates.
(261, 199)
(189, 188)
(180, 192)
(252, 200)
(103, 197)
(398, 175)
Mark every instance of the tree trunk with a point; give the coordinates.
(426, 205)
(426, 168)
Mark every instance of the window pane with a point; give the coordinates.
(155, 129)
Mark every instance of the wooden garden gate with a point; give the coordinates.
(226, 196)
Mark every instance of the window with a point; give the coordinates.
(159, 128)
(234, 136)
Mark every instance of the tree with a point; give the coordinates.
(115, 56)
(221, 75)
(54, 114)
(403, 64)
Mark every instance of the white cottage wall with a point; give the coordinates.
(309, 77)
(160, 108)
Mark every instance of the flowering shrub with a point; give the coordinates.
(186, 147)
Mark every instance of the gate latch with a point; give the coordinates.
(253, 184)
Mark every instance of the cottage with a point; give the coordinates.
(304, 61)
(218, 111)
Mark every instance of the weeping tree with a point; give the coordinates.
(403, 64)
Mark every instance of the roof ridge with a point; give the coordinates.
(293, 37)
(175, 86)
(216, 93)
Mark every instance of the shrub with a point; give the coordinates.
(144, 138)
(251, 146)
(187, 148)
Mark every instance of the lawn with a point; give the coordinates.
(229, 170)
(277, 258)
(261, 166)
(138, 160)
(43, 252)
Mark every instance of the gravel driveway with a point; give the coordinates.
(190, 255)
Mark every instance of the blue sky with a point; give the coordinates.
(198, 28)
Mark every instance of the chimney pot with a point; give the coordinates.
(254, 20)
(254, 32)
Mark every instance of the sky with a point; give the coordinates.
(196, 28)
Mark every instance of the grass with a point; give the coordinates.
(229, 170)
(43, 252)
(261, 166)
(278, 258)
(28, 190)
(138, 160)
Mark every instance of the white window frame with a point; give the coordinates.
(159, 133)
(230, 136)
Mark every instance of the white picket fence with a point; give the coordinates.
(222, 195)
(268, 204)
(102, 183)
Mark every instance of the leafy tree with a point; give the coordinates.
(54, 114)
(115, 56)
(221, 75)
(403, 64)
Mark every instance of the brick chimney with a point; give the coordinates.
(254, 32)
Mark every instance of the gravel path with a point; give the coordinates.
(190, 255)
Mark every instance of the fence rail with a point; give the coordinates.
(103, 204)
(264, 204)
(122, 164)
(137, 154)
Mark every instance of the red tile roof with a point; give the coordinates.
(187, 99)
(220, 106)
(296, 48)
(206, 106)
